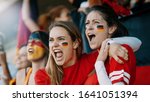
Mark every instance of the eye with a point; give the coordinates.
(51, 39)
(96, 22)
(86, 24)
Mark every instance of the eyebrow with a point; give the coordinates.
(59, 37)
(94, 20)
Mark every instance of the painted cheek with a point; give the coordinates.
(38, 53)
(100, 28)
(64, 44)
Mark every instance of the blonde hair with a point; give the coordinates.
(56, 72)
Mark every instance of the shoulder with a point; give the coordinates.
(90, 55)
(89, 59)
(42, 77)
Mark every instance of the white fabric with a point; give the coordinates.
(84, 4)
(133, 42)
(101, 73)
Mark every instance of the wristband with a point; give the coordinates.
(111, 41)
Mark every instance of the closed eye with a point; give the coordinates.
(51, 39)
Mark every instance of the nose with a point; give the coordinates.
(54, 44)
(89, 27)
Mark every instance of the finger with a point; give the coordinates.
(118, 60)
(122, 54)
(106, 47)
(126, 58)
(103, 45)
(123, 48)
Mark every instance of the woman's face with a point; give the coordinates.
(35, 49)
(65, 15)
(96, 29)
(22, 61)
(61, 47)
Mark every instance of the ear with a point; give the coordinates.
(111, 30)
(75, 44)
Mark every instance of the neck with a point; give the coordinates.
(71, 61)
(39, 64)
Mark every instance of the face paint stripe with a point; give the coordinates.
(100, 28)
(37, 43)
(65, 43)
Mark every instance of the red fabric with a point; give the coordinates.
(92, 80)
(128, 68)
(120, 10)
(23, 33)
(142, 75)
(42, 78)
(112, 66)
(73, 75)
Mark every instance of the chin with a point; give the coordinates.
(59, 63)
(93, 47)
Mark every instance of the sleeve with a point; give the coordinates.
(102, 76)
(123, 72)
(133, 42)
(42, 78)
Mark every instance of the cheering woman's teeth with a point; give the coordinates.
(58, 54)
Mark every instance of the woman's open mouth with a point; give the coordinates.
(58, 54)
(30, 50)
(91, 36)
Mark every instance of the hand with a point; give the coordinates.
(116, 51)
(103, 53)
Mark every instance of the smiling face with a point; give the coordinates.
(35, 49)
(62, 47)
(97, 29)
(22, 61)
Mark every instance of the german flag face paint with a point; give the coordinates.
(100, 28)
(36, 42)
(65, 44)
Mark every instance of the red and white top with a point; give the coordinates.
(113, 72)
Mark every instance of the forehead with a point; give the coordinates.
(23, 50)
(58, 31)
(94, 15)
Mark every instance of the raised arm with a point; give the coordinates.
(26, 16)
(133, 42)
(102, 76)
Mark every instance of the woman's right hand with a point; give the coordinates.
(116, 51)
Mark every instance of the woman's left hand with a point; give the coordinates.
(103, 53)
